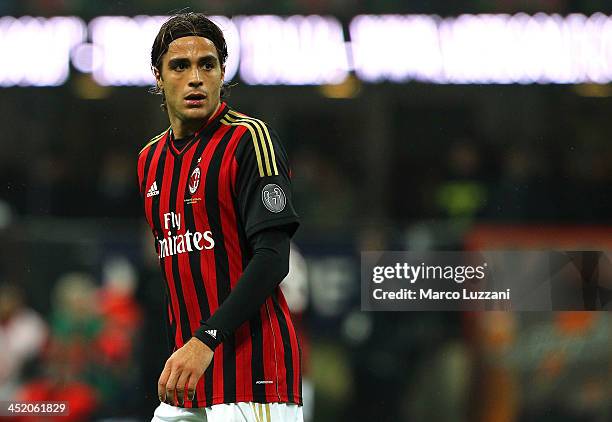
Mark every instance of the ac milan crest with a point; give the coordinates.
(194, 180)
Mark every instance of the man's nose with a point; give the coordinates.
(196, 79)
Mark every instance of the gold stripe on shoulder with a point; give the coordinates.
(238, 114)
(253, 137)
(271, 147)
(152, 141)
(260, 139)
(267, 138)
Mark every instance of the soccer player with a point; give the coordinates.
(217, 197)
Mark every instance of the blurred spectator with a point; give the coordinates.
(117, 188)
(75, 323)
(81, 398)
(72, 359)
(388, 351)
(512, 197)
(22, 337)
(515, 187)
(316, 176)
(445, 374)
(122, 320)
(463, 194)
(295, 284)
(122, 315)
(541, 367)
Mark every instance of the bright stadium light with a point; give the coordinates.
(123, 55)
(124, 45)
(312, 50)
(297, 50)
(82, 57)
(484, 48)
(408, 48)
(36, 51)
(232, 39)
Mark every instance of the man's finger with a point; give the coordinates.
(171, 386)
(191, 387)
(161, 384)
(180, 386)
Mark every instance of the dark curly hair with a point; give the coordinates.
(184, 25)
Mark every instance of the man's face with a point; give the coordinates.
(191, 78)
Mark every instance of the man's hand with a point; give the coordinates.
(182, 371)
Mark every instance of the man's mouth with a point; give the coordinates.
(195, 99)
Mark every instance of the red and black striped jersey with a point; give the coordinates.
(203, 202)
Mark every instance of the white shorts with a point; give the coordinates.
(233, 412)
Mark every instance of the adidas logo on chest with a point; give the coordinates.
(153, 191)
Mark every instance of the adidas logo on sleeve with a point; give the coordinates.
(153, 190)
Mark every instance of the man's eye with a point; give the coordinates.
(178, 66)
(209, 66)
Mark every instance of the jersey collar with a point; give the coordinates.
(208, 127)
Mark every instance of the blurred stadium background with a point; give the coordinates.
(436, 128)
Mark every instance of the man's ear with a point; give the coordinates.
(158, 78)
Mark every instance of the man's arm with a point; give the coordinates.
(266, 269)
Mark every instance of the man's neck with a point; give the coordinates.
(182, 129)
